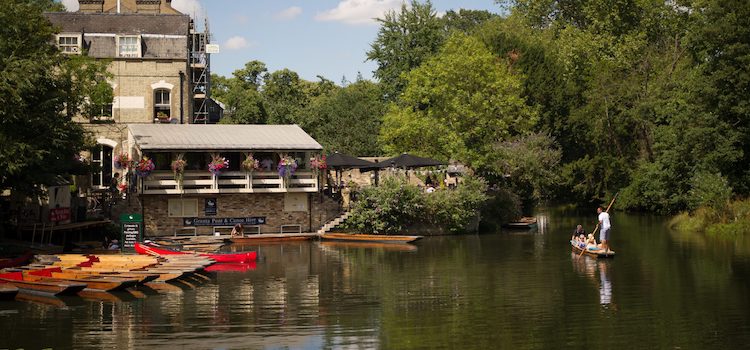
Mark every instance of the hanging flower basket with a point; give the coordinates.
(122, 161)
(144, 167)
(318, 164)
(178, 168)
(218, 165)
(287, 167)
(250, 164)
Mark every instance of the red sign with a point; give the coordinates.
(59, 214)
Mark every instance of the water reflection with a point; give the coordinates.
(597, 272)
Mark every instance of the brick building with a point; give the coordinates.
(204, 202)
(159, 63)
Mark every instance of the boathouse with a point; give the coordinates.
(249, 188)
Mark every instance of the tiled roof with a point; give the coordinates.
(221, 137)
(123, 23)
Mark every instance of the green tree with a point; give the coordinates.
(405, 40)
(457, 105)
(39, 141)
(285, 97)
(348, 119)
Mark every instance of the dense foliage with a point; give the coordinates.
(555, 99)
(40, 90)
(395, 205)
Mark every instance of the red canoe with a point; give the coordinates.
(152, 249)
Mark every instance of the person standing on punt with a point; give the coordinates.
(605, 228)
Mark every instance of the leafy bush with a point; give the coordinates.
(388, 208)
(455, 209)
(712, 191)
(395, 204)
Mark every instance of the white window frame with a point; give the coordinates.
(136, 54)
(70, 49)
(99, 151)
(176, 207)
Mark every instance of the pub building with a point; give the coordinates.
(201, 179)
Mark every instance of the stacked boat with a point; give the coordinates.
(100, 275)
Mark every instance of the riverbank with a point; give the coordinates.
(729, 222)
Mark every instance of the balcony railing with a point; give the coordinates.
(163, 182)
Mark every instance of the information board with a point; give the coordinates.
(210, 207)
(132, 231)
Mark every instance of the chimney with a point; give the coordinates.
(91, 6)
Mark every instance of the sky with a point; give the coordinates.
(329, 38)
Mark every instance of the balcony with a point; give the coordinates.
(203, 182)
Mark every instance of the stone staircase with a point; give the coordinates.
(335, 222)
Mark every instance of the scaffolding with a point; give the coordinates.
(200, 73)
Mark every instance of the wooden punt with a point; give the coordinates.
(355, 237)
(164, 287)
(28, 284)
(152, 249)
(18, 261)
(272, 238)
(93, 283)
(525, 222)
(140, 278)
(597, 253)
(46, 299)
(8, 291)
(369, 245)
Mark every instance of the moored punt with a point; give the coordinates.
(525, 222)
(273, 237)
(152, 249)
(592, 251)
(55, 287)
(93, 283)
(8, 291)
(18, 261)
(369, 245)
(356, 237)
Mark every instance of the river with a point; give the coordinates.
(513, 290)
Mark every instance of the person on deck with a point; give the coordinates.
(238, 231)
(605, 228)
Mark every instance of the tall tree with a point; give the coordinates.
(405, 39)
(285, 97)
(348, 119)
(39, 141)
(458, 105)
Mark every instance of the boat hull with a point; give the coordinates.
(348, 237)
(594, 253)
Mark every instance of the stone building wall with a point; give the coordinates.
(134, 84)
(269, 205)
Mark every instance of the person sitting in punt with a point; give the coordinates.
(238, 231)
(591, 243)
(579, 234)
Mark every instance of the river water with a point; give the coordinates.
(512, 290)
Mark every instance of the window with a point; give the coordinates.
(181, 207)
(128, 46)
(70, 44)
(162, 107)
(101, 159)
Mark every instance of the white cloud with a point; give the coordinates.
(188, 7)
(359, 11)
(289, 13)
(70, 5)
(236, 43)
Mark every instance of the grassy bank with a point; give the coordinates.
(731, 221)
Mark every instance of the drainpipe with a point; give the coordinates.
(182, 82)
(118, 6)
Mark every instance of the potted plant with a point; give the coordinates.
(287, 167)
(122, 161)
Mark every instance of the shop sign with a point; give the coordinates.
(251, 220)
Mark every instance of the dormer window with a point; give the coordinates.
(129, 46)
(69, 44)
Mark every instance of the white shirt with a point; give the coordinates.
(604, 219)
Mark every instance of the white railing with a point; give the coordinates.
(163, 182)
